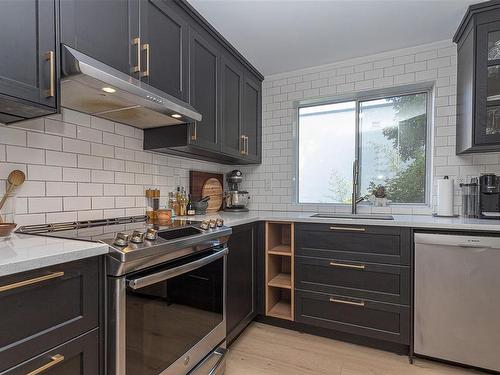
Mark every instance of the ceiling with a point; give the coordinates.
(282, 35)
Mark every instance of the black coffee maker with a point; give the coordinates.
(489, 196)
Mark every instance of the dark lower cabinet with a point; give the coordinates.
(47, 307)
(355, 280)
(28, 59)
(241, 279)
(368, 318)
(79, 356)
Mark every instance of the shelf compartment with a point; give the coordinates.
(279, 237)
(280, 303)
(281, 280)
(284, 250)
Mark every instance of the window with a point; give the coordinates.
(388, 137)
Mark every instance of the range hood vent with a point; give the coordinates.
(89, 86)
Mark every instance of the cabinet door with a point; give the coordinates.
(203, 77)
(241, 279)
(76, 357)
(231, 103)
(165, 34)
(487, 122)
(28, 35)
(103, 30)
(47, 306)
(252, 118)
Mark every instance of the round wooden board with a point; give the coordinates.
(213, 188)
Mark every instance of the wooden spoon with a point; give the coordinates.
(16, 178)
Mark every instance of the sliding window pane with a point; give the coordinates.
(392, 147)
(327, 138)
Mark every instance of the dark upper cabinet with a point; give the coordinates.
(478, 79)
(104, 30)
(232, 80)
(204, 55)
(241, 98)
(241, 279)
(28, 59)
(252, 118)
(164, 38)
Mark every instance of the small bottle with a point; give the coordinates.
(149, 204)
(190, 208)
(156, 201)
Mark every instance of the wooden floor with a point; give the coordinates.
(268, 350)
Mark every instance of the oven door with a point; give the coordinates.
(174, 316)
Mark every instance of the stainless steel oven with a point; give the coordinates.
(169, 319)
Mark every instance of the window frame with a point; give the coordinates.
(427, 88)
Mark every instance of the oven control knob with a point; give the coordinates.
(151, 234)
(205, 225)
(137, 237)
(121, 239)
(213, 223)
(219, 223)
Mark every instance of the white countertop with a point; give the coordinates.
(414, 221)
(21, 252)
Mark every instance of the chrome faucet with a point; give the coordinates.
(355, 178)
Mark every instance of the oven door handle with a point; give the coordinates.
(142, 282)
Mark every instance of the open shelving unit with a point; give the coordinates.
(279, 270)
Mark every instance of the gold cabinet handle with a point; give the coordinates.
(146, 48)
(50, 57)
(137, 68)
(35, 280)
(53, 361)
(246, 138)
(194, 136)
(242, 145)
(349, 229)
(345, 265)
(351, 303)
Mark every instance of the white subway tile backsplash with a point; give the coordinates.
(76, 146)
(43, 205)
(61, 189)
(114, 189)
(102, 150)
(76, 175)
(102, 124)
(77, 203)
(114, 165)
(44, 173)
(125, 130)
(103, 202)
(60, 128)
(113, 139)
(88, 134)
(12, 136)
(17, 154)
(74, 117)
(103, 176)
(89, 189)
(62, 217)
(31, 189)
(62, 159)
(46, 141)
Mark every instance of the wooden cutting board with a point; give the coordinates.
(213, 189)
(198, 180)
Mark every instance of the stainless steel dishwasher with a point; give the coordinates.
(457, 299)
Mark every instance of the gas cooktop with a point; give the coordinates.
(136, 243)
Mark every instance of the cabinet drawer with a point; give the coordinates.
(379, 282)
(375, 244)
(45, 307)
(356, 316)
(79, 356)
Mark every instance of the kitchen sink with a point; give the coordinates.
(353, 216)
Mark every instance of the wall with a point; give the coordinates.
(272, 184)
(80, 167)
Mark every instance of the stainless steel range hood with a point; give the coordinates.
(89, 86)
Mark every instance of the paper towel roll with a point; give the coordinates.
(445, 188)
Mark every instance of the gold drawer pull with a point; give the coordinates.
(194, 135)
(358, 304)
(35, 280)
(137, 68)
(53, 361)
(350, 229)
(344, 265)
(146, 48)
(50, 57)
